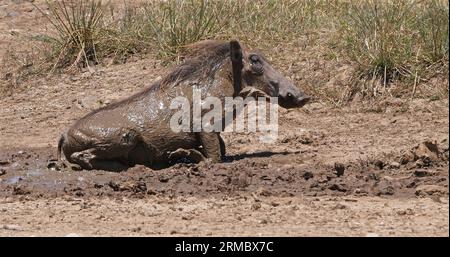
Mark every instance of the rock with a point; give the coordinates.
(151, 192)
(186, 217)
(339, 206)
(53, 165)
(136, 230)
(240, 182)
(263, 221)
(338, 187)
(286, 194)
(307, 175)
(114, 185)
(19, 190)
(163, 179)
(379, 164)
(72, 235)
(405, 212)
(339, 168)
(2, 172)
(13, 14)
(419, 164)
(386, 190)
(28, 9)
(275, 204)
(372, 235)
(12, 227)
(423, 173)
(411, 165)
(89, 102)
(426, 190)
(132, 186)
(137, 187)
(4, 162)
(358, 191)
(305, 139)
(394, 165)
(445, 155)
(428, 150)
(407, 157)
(98, 186)
(256, 206)
(411, 185)
(264, 192)
(425, 153)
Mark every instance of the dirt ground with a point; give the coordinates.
(366, 169)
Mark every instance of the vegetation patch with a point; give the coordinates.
(393, 46)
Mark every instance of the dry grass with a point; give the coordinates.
(395, 40)
(79, 26)
(388, 42)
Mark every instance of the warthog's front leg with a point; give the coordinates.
(191, 154)
(212, 146)
(223, 150)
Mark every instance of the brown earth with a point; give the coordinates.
(370, 168)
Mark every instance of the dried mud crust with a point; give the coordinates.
(225, 216)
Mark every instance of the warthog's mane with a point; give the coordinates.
(201, 61)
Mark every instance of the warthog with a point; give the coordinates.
(136, 130)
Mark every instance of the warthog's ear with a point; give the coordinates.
(237, 63)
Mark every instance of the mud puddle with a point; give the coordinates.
(417, 173)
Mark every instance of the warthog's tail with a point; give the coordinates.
(60, 154)
(60, 143)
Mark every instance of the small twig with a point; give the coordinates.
(415, 86)
(373, 82)
(60, 56)
(290, 68)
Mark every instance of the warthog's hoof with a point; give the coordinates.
(186, 155)
(55, 165)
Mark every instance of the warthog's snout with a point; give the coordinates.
(292, 98)
(258, 73)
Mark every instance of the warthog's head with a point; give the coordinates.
(251, 69)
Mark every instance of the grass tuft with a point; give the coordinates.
(78, 24)
(395, 39)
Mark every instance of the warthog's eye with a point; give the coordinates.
(254, 58)
(256, 64)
